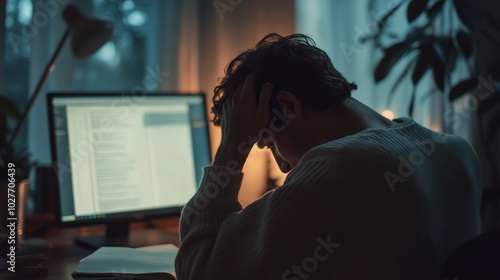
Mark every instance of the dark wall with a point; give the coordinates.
(2, 44)
(487, 62)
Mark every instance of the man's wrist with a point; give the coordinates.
(229, 154)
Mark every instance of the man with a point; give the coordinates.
(366, 197)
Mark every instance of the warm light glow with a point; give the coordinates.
(388, 114)
(435, 128)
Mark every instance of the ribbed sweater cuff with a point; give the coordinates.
(217, 196)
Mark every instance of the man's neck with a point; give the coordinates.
(347, 118)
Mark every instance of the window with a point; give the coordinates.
(32, 30)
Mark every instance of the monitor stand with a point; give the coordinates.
(118, 234)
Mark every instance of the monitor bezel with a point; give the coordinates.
(140, 215)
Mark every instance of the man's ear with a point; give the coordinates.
(291, 104)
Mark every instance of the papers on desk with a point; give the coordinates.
(151, 263)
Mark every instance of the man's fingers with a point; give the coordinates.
(236, 95)
(248, 85)
(246, 93)
(265, 96)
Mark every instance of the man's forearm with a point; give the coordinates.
(202, 217)
(229, 155)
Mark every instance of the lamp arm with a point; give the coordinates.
(48, 69)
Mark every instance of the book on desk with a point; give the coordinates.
(149, 263)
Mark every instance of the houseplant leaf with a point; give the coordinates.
(385, 18)
(411, 106)
(438, 68)
(451, 54)
(441, 48)
(462, 88)
(423, 64)
(381, 24)
(435, 9)
(440, 53)
(415, 8)
(464, 40)
(395, 52)
(400, 79)
(416, 34)
(392, 55)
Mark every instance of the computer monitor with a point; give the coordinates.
(124, 157)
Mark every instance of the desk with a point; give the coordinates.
(63, 255)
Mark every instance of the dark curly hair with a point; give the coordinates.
(291, 63)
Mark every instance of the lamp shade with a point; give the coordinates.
(87, 34)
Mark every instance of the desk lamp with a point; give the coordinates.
(87, 36)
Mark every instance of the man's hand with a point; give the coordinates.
(242, 119)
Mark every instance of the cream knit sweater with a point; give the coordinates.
(386, 204)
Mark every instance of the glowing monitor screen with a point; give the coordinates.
(119, 156)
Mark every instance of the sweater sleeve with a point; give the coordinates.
(221, 241)
(201, 218)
